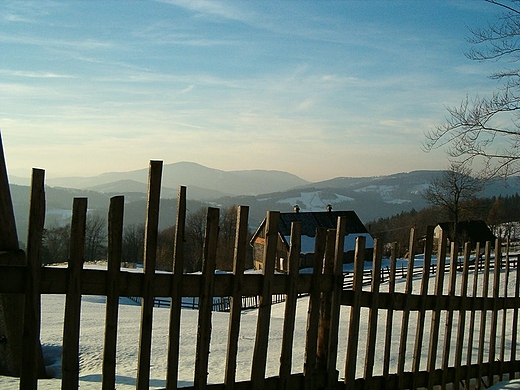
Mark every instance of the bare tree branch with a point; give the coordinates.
(486, 130)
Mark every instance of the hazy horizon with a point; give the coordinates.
(26, 175)
(317, 89)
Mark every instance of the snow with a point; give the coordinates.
(92, 334)
(385, 191)
(313, 201)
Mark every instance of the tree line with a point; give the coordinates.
(499, 213)
(55, 243)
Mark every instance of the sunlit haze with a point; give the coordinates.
(320, 89)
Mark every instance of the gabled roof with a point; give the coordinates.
(474, 231)
(312, 220)
(327, 219)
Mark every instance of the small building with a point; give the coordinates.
(467, 231)
(310, 221)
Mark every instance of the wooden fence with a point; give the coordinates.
(477, 343)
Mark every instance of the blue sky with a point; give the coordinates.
(317, 88)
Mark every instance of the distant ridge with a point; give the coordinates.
(207, 180)
(370, 197)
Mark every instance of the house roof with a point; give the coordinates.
(474, 231)
(326, 219)
(312, 220)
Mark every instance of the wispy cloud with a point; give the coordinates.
(84, 44)
(224, 10)
(35, 75)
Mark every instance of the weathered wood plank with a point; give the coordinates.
(264, 311)
(290, 306)
(11, 313)
(390, 312)
(172, 374)
(436, 314)
(483, 337)
(32, 358)
(514, 338)
(355, 311)
(239, 260)
(53, 281)
(504, 315)
(115, 244)
(332, 372)
(322, 351)
(406, 311)
(313, 311)
(373, 314)
(421, 315)
(150, 255)
(71, 326)
(449, 314)
(206, 299)
(494, 313)
(471, 306)
(8, 234)
(461, 329)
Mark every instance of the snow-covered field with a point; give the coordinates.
(92, 333)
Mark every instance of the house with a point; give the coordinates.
(467, 231)
(310, 221)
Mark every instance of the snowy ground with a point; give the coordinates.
(92, 331)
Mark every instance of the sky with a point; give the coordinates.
(320, 89)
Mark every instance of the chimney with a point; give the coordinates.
(329, 208)
(296, 208)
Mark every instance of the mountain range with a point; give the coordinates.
(262, 190)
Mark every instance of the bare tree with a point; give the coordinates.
(226, 238)
(165, 241)
(453, 192)
(55, 244)
(133, 244)
(487, 129)
(95, 237)
(195, 230)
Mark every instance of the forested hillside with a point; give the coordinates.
(497, 212)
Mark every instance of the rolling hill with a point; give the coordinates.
(370, 197)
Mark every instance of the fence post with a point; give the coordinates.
(150, 254)
(450, 313)
(290, 306)
(176, 292)
(264, 307)
(494, 313)
(428, 250)
(11, 306)
(235, 310)
(71, 326)
(390, 313)
(462, 317)
(406, 311)
(483, 337)
(335, 307)
(436, 314)
(355, 311)
(471, 329)
(32, 353)
(373, 314)
(325, 314)
(313, 312)
(115, 242)
(206, 299)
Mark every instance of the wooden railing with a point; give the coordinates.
(480, 346)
